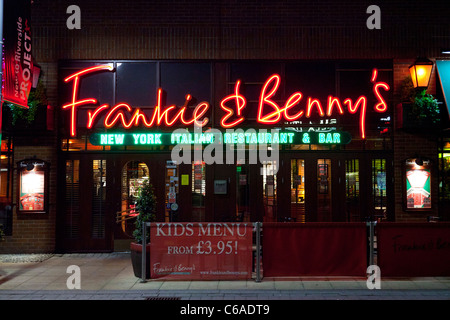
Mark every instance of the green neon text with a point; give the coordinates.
(329, 138)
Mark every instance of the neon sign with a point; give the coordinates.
(248, 137)
(269, 111)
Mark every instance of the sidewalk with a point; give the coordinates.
(110, 276)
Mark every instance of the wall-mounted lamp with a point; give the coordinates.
(421, 72)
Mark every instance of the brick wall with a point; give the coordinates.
(33, 232)
(256, 29)
(410, 144)
(253, 29)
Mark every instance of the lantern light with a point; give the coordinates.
(421, 72)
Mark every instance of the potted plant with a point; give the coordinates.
(417, 109)
(146, 207)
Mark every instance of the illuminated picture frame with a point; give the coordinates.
(32, 189)
(417, 195)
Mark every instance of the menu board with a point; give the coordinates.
(418, 186)
(32, 190)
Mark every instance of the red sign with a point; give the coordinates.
(414, 249)
(201, 251)
(18, 65)
(314, 249)
(269, 111)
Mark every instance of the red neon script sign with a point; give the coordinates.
(269, 111)
(118, 113)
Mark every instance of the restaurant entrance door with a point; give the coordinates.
(313, 189)
(133, 175)
(83, 224)
(334, 187)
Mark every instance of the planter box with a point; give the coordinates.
(136, 259)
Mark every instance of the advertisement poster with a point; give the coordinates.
(18, 64)
(418, 187)
(32, 191)
(201, 251)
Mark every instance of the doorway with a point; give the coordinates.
(134, 173)
(242, 192)
(298, 199)
(269, 175)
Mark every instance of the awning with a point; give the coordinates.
(443, 68)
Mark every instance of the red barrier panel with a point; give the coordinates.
(413, 249)
(314, 249)
(201, 251)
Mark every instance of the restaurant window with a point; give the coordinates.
(72, 200)
(136, 83)
(269, 169)
(418, 184)
(352, 190)
(98, 85)
(242, 192)
(444, 169)
(133, 175)
(324, 206)
(253, 76)
(444, 181)
(379, 186)
(33, 181)
(98, 198)
(172, 189)
(198, 190)
(179, 79)
(298, 190)
(6, 171)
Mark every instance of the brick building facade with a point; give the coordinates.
(223, 31)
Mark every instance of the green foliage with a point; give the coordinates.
(21, 113)
(426, 107)
(146, 206)
(36, 98)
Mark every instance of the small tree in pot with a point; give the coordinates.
(146, 207)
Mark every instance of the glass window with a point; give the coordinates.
(198, 190)
(312, 79)
(5, 190)
(133, 175)
(242, 192)
(98, 198)
(298, 199)
(180, 79)
(172, 188)
(72, 200)
(324, 206)
(136, 83)
(269, 170)
(352, 190)
(98, 85)
(253, 76)
(379, 185)
(444, 174)
(5, 171)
